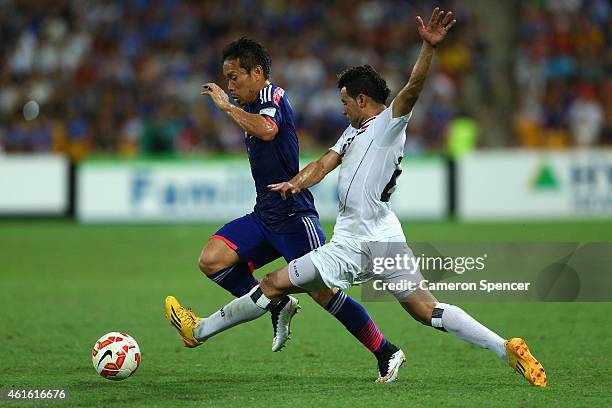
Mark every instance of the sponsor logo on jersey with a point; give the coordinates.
(268, 111)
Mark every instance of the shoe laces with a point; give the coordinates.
(187, 315)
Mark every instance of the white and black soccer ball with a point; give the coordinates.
(116, 356)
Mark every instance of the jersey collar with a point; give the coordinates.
(365, 123)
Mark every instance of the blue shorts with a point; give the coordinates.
(257, 244)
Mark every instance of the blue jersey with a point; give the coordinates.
(276, 161)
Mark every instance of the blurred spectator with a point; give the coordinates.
(162, 131)
(563, 58)
(123, 77)
(461, 136)
(586, 117)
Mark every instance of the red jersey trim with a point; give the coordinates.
(227, 241)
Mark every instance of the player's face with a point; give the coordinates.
(351, 108)
(242, 85)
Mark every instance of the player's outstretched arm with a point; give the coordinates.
(432, 34)
(308, 176)
(254, 124)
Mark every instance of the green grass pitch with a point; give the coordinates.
(65, 285)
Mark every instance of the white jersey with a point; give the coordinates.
(371, 157)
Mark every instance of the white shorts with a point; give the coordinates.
(344, 262)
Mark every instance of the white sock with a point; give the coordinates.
(238, 311)
(455, 321)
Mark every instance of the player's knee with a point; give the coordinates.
(323, 296)
(208, 263)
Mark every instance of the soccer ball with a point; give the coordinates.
(116, 356)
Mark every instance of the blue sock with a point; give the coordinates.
(237, 279)
(357, 321)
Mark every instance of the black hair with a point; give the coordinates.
(249, 53)
(364, 80)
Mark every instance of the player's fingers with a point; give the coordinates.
(452, 23)
(283, 196)
(273, 187)
(420, 22)
(440, 17)
(447, 18)
(434, 16)
(295, 190)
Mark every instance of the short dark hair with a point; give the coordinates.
(250, 53)
(364, 80)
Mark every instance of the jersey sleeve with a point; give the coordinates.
(390, 128)
(339, 147)
(269, 104)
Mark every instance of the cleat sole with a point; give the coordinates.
(521, 359)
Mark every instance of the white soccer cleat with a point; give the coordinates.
(281, 322)
(388, 367)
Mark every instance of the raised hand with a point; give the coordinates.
(438, 26)
(218, 95)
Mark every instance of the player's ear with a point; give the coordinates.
(362, 100)
(257, 72)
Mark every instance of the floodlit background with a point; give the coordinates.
(522, 83)
(123, 77)
(114, 171)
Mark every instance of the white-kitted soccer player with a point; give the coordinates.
(369, 154)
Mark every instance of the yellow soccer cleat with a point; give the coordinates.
(184, 320)
(521, 360)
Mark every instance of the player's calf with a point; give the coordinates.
(323, 296)
(420, 311)
(277, 284)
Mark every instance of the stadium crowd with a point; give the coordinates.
(125, 77)
(563, 72)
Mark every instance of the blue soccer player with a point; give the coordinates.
(289, 228)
